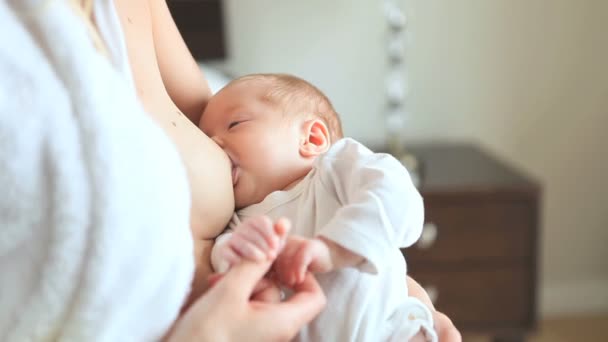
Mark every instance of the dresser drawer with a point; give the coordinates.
(473, 231)
(499, 299)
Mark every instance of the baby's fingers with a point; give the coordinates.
(259, 241)
(265, 230)
(302, 260)
(284, 269)
(244, 248)
(282, 227)
(230, 256)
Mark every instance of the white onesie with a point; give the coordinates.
(365, 202)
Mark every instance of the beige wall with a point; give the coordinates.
(526, 79)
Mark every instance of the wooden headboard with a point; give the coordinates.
(201, 23)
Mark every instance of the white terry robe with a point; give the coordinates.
(95, 242)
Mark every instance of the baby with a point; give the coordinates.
(351, 209)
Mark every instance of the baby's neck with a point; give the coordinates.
(286, 188)
(292, 184)
(300, 174)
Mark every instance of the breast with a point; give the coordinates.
(207, 165)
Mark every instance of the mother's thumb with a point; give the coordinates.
(241, 279)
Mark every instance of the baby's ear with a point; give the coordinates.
(315, 139)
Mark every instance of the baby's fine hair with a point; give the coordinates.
(298, 96)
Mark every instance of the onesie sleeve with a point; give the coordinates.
(381, 209)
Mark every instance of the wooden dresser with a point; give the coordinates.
(477, 256)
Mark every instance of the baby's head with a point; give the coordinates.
(272, 126)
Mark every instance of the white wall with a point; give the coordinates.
(529, 79)
(526, 79)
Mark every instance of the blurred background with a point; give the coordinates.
(525, 82)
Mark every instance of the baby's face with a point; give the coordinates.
(262, 144)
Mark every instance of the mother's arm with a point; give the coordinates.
(181, 74)
(163, 70)
(170, 83)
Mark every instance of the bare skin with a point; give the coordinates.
(173, 90)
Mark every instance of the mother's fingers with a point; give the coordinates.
(241, 279)
(214, 278)
(302, 307)
(266, 290)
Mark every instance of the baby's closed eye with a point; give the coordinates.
(233, 124)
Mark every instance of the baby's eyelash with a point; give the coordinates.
(233, 123)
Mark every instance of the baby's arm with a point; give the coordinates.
(379, 210)
(317, 255)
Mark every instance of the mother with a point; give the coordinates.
(95, 217)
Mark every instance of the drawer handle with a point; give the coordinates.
(433, 293)
(428, 236)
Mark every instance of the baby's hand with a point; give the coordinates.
(255, 239)
(299, 256)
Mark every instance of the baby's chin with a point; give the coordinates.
(243, 199)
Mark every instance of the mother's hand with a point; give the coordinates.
(226, 312)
